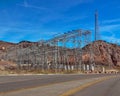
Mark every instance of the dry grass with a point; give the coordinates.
(6, 72)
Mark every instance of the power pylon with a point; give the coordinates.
(96, 26)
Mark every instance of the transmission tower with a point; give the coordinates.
(96, 26)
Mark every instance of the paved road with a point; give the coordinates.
(109, 87)
(11, 83)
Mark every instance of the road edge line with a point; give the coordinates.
(74, 90)
(21, 89)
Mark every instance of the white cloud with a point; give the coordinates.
(27, 5)
(112, 39)
(65, 5)
(112, 25)
(16, 34)
(110, 28)
(3, 31)
(111, 21)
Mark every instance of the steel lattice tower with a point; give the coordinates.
(96, 26)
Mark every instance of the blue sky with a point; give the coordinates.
(34, 20)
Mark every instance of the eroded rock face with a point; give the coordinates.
(7, 65)
(101, 52)
(104, 53)
(5, 45)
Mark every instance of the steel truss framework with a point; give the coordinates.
(63, 52)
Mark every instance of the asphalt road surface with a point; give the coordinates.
(11, 83)
(110, 87)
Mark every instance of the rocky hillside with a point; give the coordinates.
(4, 45)
(8, 53)
(104, 53)
(99, 52)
